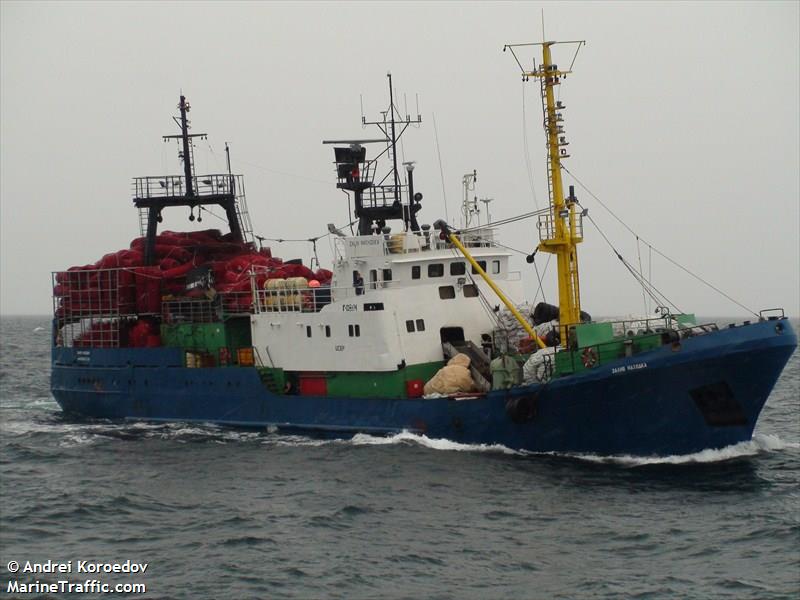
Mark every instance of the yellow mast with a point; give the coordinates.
(561, 230)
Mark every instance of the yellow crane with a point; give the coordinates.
(560, 227)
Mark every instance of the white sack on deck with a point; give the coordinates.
(544, 328)
(510, 327)
(539, 367)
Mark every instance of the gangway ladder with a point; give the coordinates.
(546, 123)
(240, 204)
(142, 221)
(242, 214)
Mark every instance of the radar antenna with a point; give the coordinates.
(377, 201)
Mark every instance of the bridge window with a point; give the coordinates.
(410, 326)
(447, 292)
(482, 264)
(458, 268)
(436, 270)
(470, 290)
(415, 272)
(495, 267)
(420, 325)
(387, 275)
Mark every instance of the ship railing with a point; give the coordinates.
(312, 300)
(771, 314)
(642, 325)
(204, 309)
(478, 237)
(89, 332)
(169, 186)
(216, 307)
(423, 240)
(546, 225)
(239, 303)
(629, 344)
(482, 237)
(379, 196)
(365, 174)
(89, 304)
(306, 300)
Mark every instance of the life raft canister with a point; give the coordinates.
(589, 357)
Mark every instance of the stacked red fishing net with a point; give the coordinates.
(120, 283)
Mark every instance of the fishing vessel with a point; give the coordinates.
(411, 329)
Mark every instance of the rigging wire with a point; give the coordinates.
(218, 162)
(310, 239)
(650, 264)
(311, 179)
(639, 254)
(402, 147)
(658, 297)
(656, 250)
(349, 211)
(526, 148)
(314, 249)
(441, 169)
(509, 220)
(540, 277)
(485, 304)
(536, 268)
(212, 213)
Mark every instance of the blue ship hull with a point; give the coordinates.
(706, 394)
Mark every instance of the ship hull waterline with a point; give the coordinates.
(707, 392)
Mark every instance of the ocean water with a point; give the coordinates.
(223, 513)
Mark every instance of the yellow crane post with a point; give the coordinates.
(561, 229)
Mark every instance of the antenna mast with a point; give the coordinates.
(561, 229)
(153, 194)
(394, 139)
(469, 207)
(379, 199)
(186, 154)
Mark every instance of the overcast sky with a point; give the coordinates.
(681, 117)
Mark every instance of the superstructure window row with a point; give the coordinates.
(456, 269)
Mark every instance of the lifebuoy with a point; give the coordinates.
(589, 357)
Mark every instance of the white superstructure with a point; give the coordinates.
(392, 302)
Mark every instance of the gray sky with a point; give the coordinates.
(683, 118)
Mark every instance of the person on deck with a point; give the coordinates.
(358, 283)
